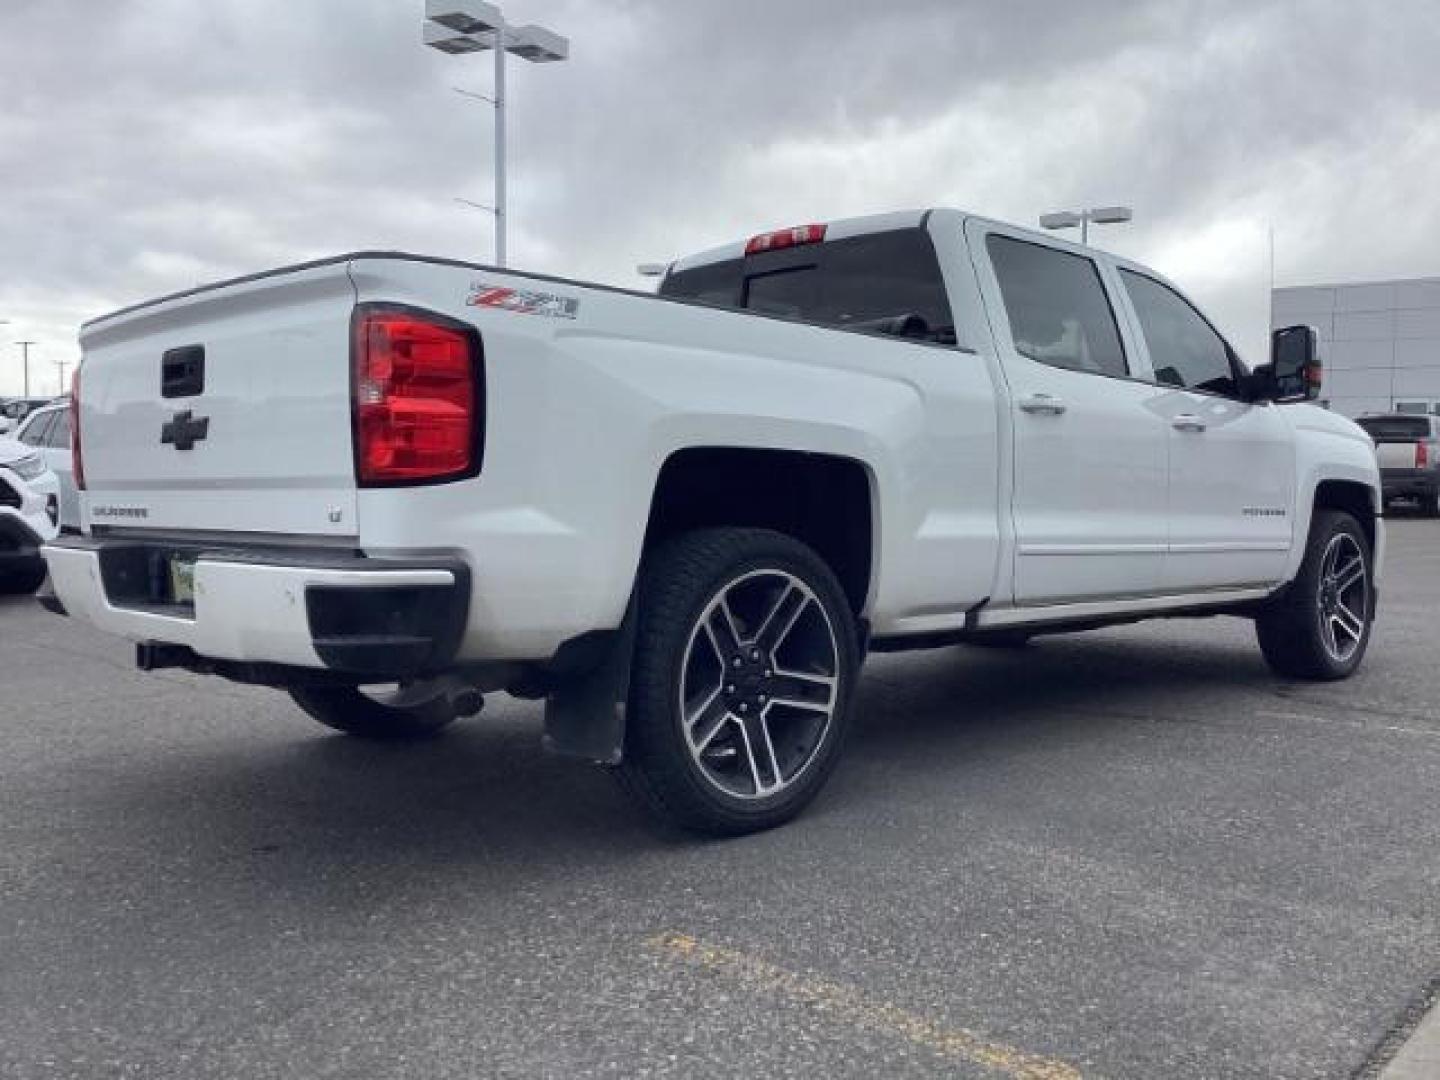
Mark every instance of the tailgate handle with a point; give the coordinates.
(182, 372)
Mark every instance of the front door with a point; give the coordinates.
(1090, 471)
(1232, 462)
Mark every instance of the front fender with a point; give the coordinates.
(1328, 447)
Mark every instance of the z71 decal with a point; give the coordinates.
(522, 301)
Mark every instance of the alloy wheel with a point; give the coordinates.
(759, 684)
(1344, 597)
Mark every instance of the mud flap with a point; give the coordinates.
(585, 712)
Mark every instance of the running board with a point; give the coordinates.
(1105, 609)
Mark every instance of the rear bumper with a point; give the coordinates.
(322, 611)
(1409, 483)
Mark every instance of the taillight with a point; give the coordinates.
(418, 400)
(76, 457)
(785, 238)
(1422, 454)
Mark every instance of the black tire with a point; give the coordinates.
(348, 709)
(757, 571)
(1430, 505)
(20, 582)
(1292, 626)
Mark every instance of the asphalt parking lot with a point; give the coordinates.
(1130, 853)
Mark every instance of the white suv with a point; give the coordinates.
(29, 515)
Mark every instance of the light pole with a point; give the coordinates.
(61, 364)
(1101, 215)
(466, 26)
(25, 359)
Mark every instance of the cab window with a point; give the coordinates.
(1185, 350)
(883, 282)
(1059, 313)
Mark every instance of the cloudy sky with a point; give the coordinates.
(148, 145)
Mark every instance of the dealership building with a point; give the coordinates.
(1380, 342)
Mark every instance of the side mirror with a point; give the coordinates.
(1294, 372)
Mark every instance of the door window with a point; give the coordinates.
(1058, 311)
(1185, 350)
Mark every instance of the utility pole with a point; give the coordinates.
(61, 364)
(466, 26)
(25, 359)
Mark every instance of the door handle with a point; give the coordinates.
(1187, 422)
(1042, 405)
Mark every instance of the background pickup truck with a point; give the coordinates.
(391, 484)
(1408, 448)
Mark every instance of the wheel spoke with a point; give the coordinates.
(760, 755)
(720, 629)
(802, 691)
(1327, 630)
(781, 619)
(1353, 572)
(1349, 622)
(706, 722)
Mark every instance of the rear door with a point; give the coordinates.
(224, 411)
(1232, 462)
(1090, 468)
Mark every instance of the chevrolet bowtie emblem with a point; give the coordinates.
(184, 430)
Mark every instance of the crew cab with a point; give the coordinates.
(391, 485)
(1408, 449)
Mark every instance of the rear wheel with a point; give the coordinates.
(745, 659)
(1430, 504)
(1319, 627)
(395, 712)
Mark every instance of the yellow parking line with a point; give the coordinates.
(847, 1005)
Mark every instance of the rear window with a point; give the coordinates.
(1395, 428)
(886, 282)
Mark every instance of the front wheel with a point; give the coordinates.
(1319, 627)
(745, 658)
(391, 714)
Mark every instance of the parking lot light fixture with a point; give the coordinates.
(468, 26)
(1100, 215)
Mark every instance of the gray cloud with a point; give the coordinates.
(147, 145)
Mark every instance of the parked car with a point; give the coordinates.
(47, 430)
(1408, 447)
(390, 484)
(14, 410)
(29, 514)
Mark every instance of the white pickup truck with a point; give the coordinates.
(391, 484)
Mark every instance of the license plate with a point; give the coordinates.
(182, 580)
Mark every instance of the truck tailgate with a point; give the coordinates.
(224, 410)
(1396, 455)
